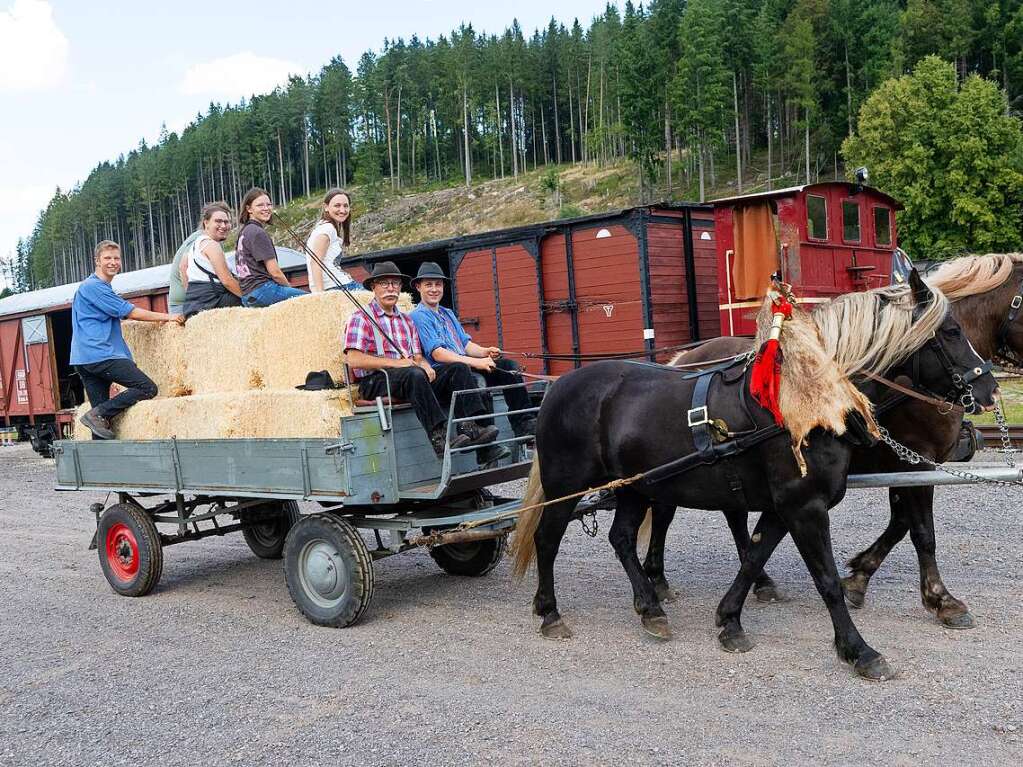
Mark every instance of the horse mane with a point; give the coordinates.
(873, 331)
(970, 275)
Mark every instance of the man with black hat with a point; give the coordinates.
(445, 342)
(391, 342)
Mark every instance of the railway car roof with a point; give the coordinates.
(137, 282)
(790, 191)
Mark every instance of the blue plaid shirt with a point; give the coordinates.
(439, 330)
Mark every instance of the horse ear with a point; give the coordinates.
(921, 293)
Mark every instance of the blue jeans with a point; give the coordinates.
(270, 293)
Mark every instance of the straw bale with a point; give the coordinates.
(304, 334)
(220, 350)
(159, 350)
(234, 415)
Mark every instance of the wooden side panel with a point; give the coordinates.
(609, 292)
(707, 275)
(474, 286)
(520, 306)
(557, 319)
(668, 291)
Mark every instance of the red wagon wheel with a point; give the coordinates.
(130, 551)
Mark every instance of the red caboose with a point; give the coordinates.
(826, 239)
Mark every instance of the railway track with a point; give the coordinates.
(993, 438)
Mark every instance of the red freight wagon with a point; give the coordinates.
(37, 385)
(827, 239)
(622, 281)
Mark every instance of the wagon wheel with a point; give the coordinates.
(328, 569)
(267, 527)
(474, 558)
(130, 551)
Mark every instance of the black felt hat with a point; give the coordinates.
(318, 381)
(429, 270)
(382, 269)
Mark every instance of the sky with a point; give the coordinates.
(82, 81)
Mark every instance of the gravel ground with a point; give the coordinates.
(217, 667)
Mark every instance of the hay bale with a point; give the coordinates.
(304, 334)
(159, 351)
(263, 414)
(81, 432)
(220, 350)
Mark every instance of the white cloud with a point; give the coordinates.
(237, 76)
(33, 50)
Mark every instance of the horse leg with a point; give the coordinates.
(769, 531)
(631, 509)
(950, 611)
(866, 563)
(764, 588)
(662, 516)
(811, 531)
(553, 523)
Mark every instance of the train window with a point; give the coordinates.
(816, 217)
(850, 221)
(882, 226)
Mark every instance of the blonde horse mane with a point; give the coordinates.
(874, 330)
(971, 275)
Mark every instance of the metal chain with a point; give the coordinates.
(910, 456)
(590, 530)
(1008, 451)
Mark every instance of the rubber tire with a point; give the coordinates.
(336, 533)
(267, 538)
(150, 549)
(472, 559)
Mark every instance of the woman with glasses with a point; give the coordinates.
(211, 285)
(327, 242)
(261, 279)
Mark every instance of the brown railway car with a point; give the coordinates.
(623, 281)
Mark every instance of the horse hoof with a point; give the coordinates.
(958, 621)
(769, 593)
(658, 627)
(665, 593)
(854, 595)
(735, 641)
(875, 670)
(556, 630)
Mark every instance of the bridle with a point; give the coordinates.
(962, 377)
(1002, 350)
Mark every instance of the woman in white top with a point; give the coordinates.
(327, 241)
(211, 285)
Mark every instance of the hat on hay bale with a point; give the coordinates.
(429, 270)
(318, 381)
(383, 269)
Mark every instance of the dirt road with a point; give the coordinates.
(217, 667)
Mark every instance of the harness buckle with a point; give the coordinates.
(698, 413)
(1017, 301)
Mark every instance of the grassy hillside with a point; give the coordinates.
(383, 219)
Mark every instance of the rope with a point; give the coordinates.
(612, 485)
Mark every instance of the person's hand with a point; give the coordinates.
(431, 374)
(483, 364)
(493, 352)
(405, 362)
(178, 318)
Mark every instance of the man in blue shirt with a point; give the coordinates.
(445, 342)
(98, 350)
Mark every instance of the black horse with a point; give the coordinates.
(986, 293)
(614, 420)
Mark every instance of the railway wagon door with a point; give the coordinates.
(28, 367)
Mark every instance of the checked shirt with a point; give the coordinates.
(361, 335)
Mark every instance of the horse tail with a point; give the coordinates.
(524, 547)
(643, 534)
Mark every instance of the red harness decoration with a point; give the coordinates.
(765, 380)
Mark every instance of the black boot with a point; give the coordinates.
(476, 434)
(438, 439)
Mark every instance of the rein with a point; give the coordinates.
(944, 406)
